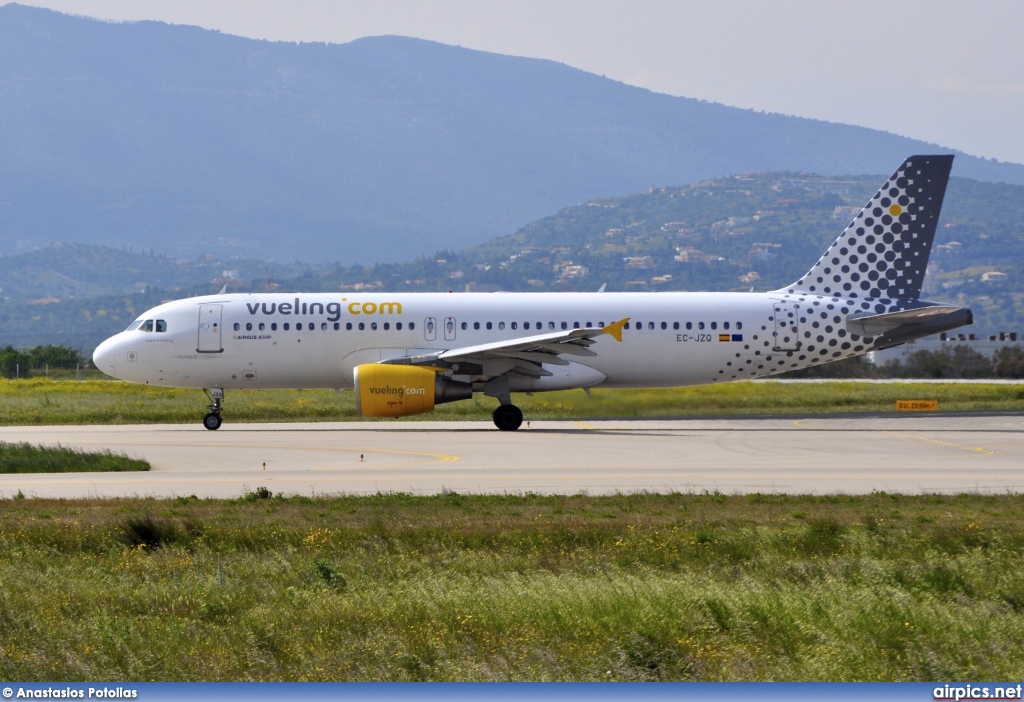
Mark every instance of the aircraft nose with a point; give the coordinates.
(103, 357)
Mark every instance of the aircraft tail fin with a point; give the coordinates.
(883, 252)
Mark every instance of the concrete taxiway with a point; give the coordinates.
(910, 454)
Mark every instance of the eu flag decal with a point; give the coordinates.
(737, 337)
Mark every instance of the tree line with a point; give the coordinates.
(15, 362)
(953, 362)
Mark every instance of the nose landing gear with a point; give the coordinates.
(212, 420)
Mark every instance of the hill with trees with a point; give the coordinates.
(755, 231)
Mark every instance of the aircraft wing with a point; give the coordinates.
(524, 355)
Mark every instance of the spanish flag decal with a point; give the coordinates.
(724, 337)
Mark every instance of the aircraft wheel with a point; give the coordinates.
(508, 417)
(212, 421)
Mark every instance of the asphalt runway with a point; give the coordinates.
(906, 453)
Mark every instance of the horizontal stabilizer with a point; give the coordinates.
(895, 328)
(875, 324)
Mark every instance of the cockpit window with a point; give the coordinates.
(134, 325)
(161, 325)
(147, 326)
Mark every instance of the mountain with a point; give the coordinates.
(189, 141)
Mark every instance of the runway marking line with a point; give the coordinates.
(976, 449)
(585, 425)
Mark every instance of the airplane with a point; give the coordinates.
(405, 353)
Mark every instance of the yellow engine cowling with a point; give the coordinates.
(384, 390)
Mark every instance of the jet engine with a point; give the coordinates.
(384, 390)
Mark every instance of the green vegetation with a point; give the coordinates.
(26, 458)
(47, 401)
(949, 362)
(458, 587)
(760, 231)
(15, 363)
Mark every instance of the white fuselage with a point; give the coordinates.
(315, 340)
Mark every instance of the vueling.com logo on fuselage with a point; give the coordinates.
(400, 392)
(332, 310)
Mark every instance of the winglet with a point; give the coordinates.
(615, 329)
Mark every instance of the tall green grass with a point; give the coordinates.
(457, 587)
(43, 401)
(26, 458)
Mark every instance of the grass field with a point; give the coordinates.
(46, 401)
(456, 587)
(26, 458)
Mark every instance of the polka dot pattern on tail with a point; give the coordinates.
(884, 250)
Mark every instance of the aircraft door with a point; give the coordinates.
(210, 328)
(430, 329)
(787, 327)
(449, 328)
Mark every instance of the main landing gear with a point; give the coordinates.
(212, 420)
(508, 417)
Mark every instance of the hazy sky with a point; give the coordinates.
(946, 71)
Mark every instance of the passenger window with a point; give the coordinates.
(337, 326)
(476, 325)
(565, 325)
(501, 325)
(362, 326)
(589, 325)
(526, 325)
(551, 325)
(714, 325)
(237, 326)
(373, 326)
(398, 326)
(273, 326)
(248, 326)
(262, 326)
(739, 325)
(412, 326)
(147, 326)
(664, 325)
(575, 325)
(689, 325)
(386, 326)
(675, 325)
(323, 326)
(286, 326)
(515, 325)
(348, 326)
(488, 325)
(700, 325)
(650, 325)
(465, 326)
(725, 325)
